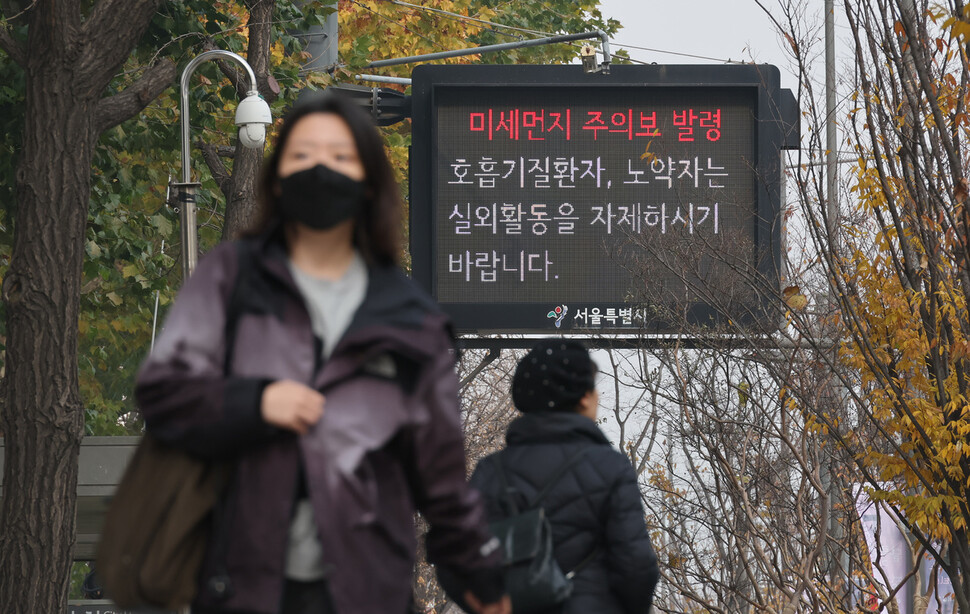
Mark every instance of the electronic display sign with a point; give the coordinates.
(538, 192)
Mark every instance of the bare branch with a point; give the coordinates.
(12, 11)
(12, 47)
(226, 151)
(115, 109)
(211, 155)
(231, 71)
(486, 360)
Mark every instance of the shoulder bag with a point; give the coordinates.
(161, 515)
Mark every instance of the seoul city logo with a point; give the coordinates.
(558, 314)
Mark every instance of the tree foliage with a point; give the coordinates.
(132, 247)
(868, 371)
(129, 246)
(903, 278)
(131, 270)
(372, 30)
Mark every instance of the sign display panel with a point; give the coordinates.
(536, 199)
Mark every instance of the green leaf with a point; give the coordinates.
(163, 224)
(93, 250)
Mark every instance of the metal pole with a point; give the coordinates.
(838, 562)
(503, 47)
(330, 31)
(831, 128)
(910, 84)
(383, 79)
(187, 189)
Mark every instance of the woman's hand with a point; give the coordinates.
(291, 405)
(502, 606)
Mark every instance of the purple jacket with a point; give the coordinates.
(389, 442)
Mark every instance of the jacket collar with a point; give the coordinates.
(553, 427)
(394, 309)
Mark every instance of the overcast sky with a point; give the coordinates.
(717, 30)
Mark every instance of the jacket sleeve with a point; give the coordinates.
(182, 391)
(630, 558)
(458, 541)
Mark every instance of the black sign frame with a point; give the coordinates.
(776, 122)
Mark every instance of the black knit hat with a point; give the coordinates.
(553, 376)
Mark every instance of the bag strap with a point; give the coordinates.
(244, 263)
(563, 470)
(220, 518)
(598, 549)
(582, 564)
(560, 473)
(504, 484)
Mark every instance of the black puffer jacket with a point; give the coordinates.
(595, 505)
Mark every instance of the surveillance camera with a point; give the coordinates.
(252, 135)
(252, 115)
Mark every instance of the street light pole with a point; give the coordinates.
(252, 116)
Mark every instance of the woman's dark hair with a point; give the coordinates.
(378, 229)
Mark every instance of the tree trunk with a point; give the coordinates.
(42, 417)
(68, 60)
(241, 199)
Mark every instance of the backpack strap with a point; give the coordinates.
(503, 481)
(560, 473)
(563, 470)
(582, 564)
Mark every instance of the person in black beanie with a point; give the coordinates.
(595, 510)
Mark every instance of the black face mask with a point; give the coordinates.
(320, 197)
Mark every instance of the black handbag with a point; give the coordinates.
(533, 578)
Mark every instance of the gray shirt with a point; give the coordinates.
(332, 305)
